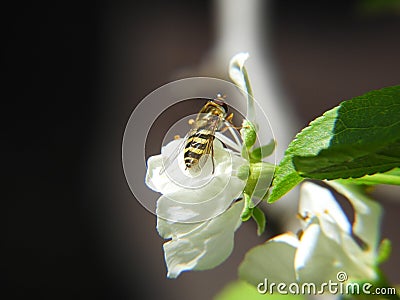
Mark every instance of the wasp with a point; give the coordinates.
(198, 142)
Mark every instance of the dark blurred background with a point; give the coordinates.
(72, 74)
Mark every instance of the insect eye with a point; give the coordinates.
(220, 101)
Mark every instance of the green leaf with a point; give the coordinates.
(285, 179)
(385, 248)
(263, 151)
(357, 138)
(365, 139)
(248, 133)
(259, 216)
(247, 210)
(260, 177)
(306, 142)
(243, 172)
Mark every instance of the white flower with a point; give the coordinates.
(190, 199)
(202, 245)
(196, 209)
(326, 245)
(204, 201)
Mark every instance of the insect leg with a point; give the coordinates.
(229, 118)
(212, 156)
(228, 124)
(234, 132)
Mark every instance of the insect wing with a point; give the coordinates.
(209, 152)
(167, 162)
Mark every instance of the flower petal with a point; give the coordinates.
(155, 179)
(191, 206)
(273, 260)
(318, 201)
(199, 246)
(319, 258)
(238, 74)
(368, 215)
(189, 200)
(236, 65)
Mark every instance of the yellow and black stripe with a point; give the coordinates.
(197, 145)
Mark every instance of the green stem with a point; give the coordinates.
(381, 179)
(373, 179)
